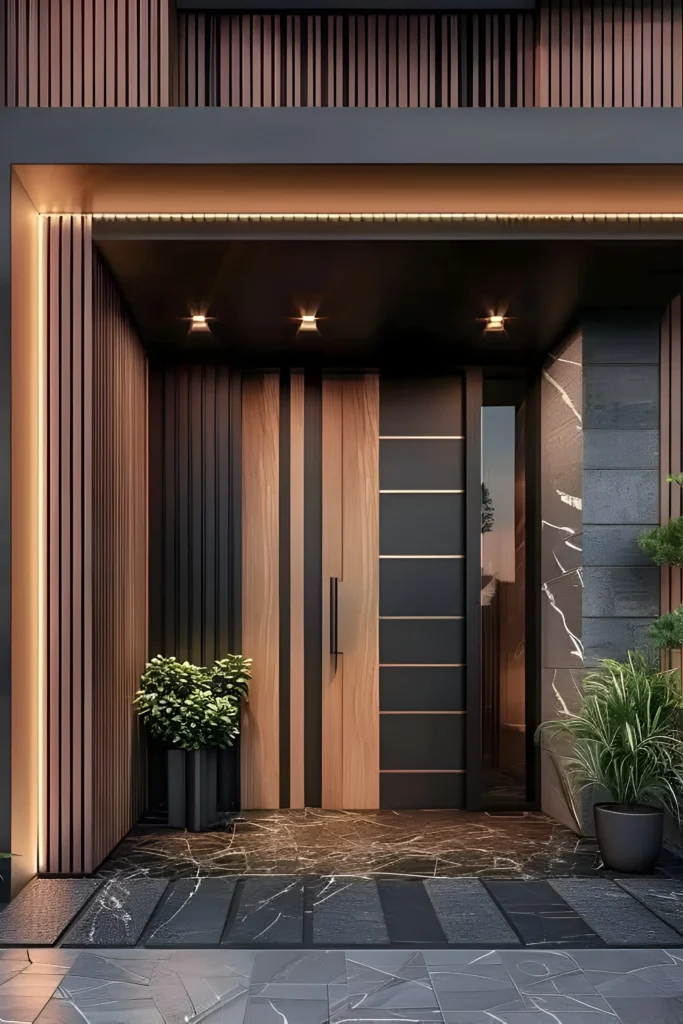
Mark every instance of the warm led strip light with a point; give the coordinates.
(398, 217)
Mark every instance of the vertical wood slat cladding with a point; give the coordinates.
(68, 757)
(118, 468)
(671, 443)
(96, 554)
(349, 60)
(604, 54)
(86, 53)
(260, 742)
(189, 511)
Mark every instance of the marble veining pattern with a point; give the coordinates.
(335, 987)
(393, 843)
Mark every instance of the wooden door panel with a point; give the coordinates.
(332, 566)
(350, 728)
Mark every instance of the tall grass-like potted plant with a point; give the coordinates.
(626, 740)
(194, 711)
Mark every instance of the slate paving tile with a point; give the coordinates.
(125, 1011)
(60, 1011)
(350, 1015)
(546, 972)
(109, 968)
(530, 1017)
(540, 916)
(192, 912)
(43, 909)
(293, 967)
(467, 913)
(477, 986)
(409, 913)
(389, 980)
(347, 912)
(663, 896)
(618, 918)
(282, 1010)
(170, 996)
(117, 914)
(453, 957)
(270, 911)
(648, 1010)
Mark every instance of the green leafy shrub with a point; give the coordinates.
(626, 737)
(192, 707)
(664, 544)
(667, 631)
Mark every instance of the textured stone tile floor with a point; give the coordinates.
(520, 986)
(346, 911)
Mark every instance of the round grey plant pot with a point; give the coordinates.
(629, 836)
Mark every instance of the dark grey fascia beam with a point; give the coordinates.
(354, 6)
(211, 135)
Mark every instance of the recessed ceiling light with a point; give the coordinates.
(308, 322)
(199, 323)
(495, 323)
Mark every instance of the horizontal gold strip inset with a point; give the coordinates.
(393, 216)
(420, 618)
(423, 712)
(459, 491)
(421, 437)
(422, 771)
(422, 664)
(421, 556)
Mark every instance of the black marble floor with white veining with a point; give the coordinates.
(143, 986)
(392, 843)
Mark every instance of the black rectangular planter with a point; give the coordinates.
(192, 789)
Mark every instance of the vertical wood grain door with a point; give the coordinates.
(350, 569)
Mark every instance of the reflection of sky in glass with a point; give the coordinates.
(498, 473)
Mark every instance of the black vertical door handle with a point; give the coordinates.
(334, 619)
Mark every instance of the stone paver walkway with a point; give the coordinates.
(521, 986)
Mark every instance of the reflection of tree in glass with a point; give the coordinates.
(487, 510)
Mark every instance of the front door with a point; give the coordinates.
(393, 560)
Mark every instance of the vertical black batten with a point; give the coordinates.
(284, 583)
(473, 399)
(532, 587)
(313, 596)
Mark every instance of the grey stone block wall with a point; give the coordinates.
(600, 491)
(620, 478)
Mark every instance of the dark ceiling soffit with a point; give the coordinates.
(364, 6)
(341, 136)
(287, 230)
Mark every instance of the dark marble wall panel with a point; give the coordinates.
(561, 556)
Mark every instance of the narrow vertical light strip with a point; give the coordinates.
(41, 544)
